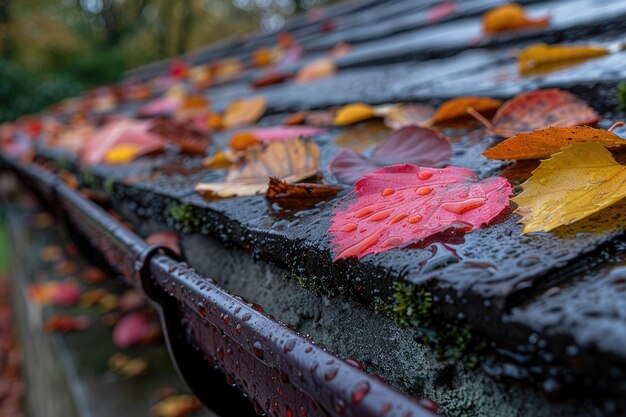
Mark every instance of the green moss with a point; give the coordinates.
(315, 285)
(183, 217)
(621, 96)
(88, 179)
(109, 186)
(412, 307)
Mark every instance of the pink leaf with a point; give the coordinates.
(412, 144)
(404, 204)
(134, 329)
(122, 131)
(162, 106)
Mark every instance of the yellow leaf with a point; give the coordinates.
(243, 112)
(122, 154)
(175, 406)
(221, 160)
(545, 142)
(575, 183)
(545, 55)
(510, 16)
(353, 113)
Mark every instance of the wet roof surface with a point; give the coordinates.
(555, 298)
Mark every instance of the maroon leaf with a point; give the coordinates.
(411, 145)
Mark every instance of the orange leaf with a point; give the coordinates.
(263, 57)
(122, 154)
(353, 113)
(457, 108)
(243, 140)
(541, 109)
(221, 160)
(243, 112)
(546, 142)
(510, 16)
(542, 54)
(316, 70)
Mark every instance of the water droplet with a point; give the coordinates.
(289, 412)
(415, 219)
(387, 191)
(238, 328)
(399, 217)
(360, 391)
(331, 373)
(365, 211)
(424, 190)
(246, 317)
(350, 227)
(424, 175)
(289, 345)
(202, 309)
(381, 215)
(460, 207)
(226, 319)
(257, 349)
(354, 363)
(429, 405)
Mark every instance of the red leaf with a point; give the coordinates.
(404, 204)
(64, 323)
(541, 109)
(412, 144)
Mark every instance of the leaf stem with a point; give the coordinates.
(616, 125)
(480, 118)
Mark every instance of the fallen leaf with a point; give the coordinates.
(300, 195)
(161, 106)
(353, 113)
(339, 50)
(319, 118)
(135, 329)
(122, 153)
(243, 140)
(316, 70)
(225, 69)
(128, 367)
(262, 57)
(541, 54)
(415, 145)
(55, 293)
(540, 109)
(65, 324)
(243, 112)
(121, 132)
(575, 183)
(546, 142)
(404, 204)
(271, 77)
(509, 17)
(442, 11)
(362, 136)
(293, 160)
(220, 160)
(280, 133)
(410, 115)
(190, 141)
(458, 107)
(180, 405)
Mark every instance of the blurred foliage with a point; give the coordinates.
(56, 48)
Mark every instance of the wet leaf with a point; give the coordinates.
(221, 160)
(121, 132)
(404, 204)
(510, 17)
(180, 405)
(540, 109)
(271, 77)
(575, 183)
(166, 105)
(122, 153)
(244, 112)
(319, 118)
(135, 329)
(541, 54)
(243, 140)
(262, 57)
(190, 141)
(457, 108)
(353, 113)
(293, 160)
(361, 136)
(299, 195)
(415, 145)
(546, 142)
(316, 70)
(56, 293)
(128, 367)
(273, 134)
(410, 115)
(66, 324)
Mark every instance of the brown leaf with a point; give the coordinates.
(546, 142)
(292, 160)
(65, 324)
(300, 195)
(180, 405)
(243, 112)
(540, 109)
(190, 141)
(322, 68)
(409, 115)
